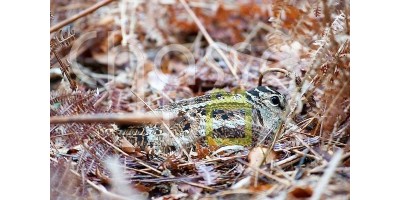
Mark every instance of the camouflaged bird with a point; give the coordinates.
(243, 118)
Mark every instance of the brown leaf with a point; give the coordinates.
(170, 163)
(257, 157)
(301, 192)
(103, 178)
(72, 151)
(126, 146)
(142, 188)
(202, 152)
(260, 188)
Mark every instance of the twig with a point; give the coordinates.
(144, 172)
(125, 154)
(271, 70)
(307, 155)
(208, 38)
(79, 15)
(165, 96)
(212, 160)
(261, 171)
(338, 170)
(235, 50)
(254, 31)
(176, 179)
(323, 182)
(122, 119)
(288, 161)
(198, 185)
(101, 189)
(308, 147)
(102, 98)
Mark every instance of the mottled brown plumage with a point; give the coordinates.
(218, 115)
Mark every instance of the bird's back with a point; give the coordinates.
(219, 116)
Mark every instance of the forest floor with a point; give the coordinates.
(128, 57)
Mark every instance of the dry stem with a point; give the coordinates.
(323, 182)
(208, 38)
(122, 119)
(79, 15)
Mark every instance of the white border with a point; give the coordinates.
(24, 82)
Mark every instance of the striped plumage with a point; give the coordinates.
(226, 119)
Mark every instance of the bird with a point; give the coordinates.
(243, 118)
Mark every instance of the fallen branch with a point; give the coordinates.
(120, 119)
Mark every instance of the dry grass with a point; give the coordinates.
(116, 71)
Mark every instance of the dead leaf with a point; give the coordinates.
(257, 157)
(301, 192)
(142, 188)
(170, 163)
(260, 188)
(126, 146)
(202, 152)
(103, 178)
(72, 151)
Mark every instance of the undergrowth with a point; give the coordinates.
(115, 62)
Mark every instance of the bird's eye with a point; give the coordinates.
(275, 101)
